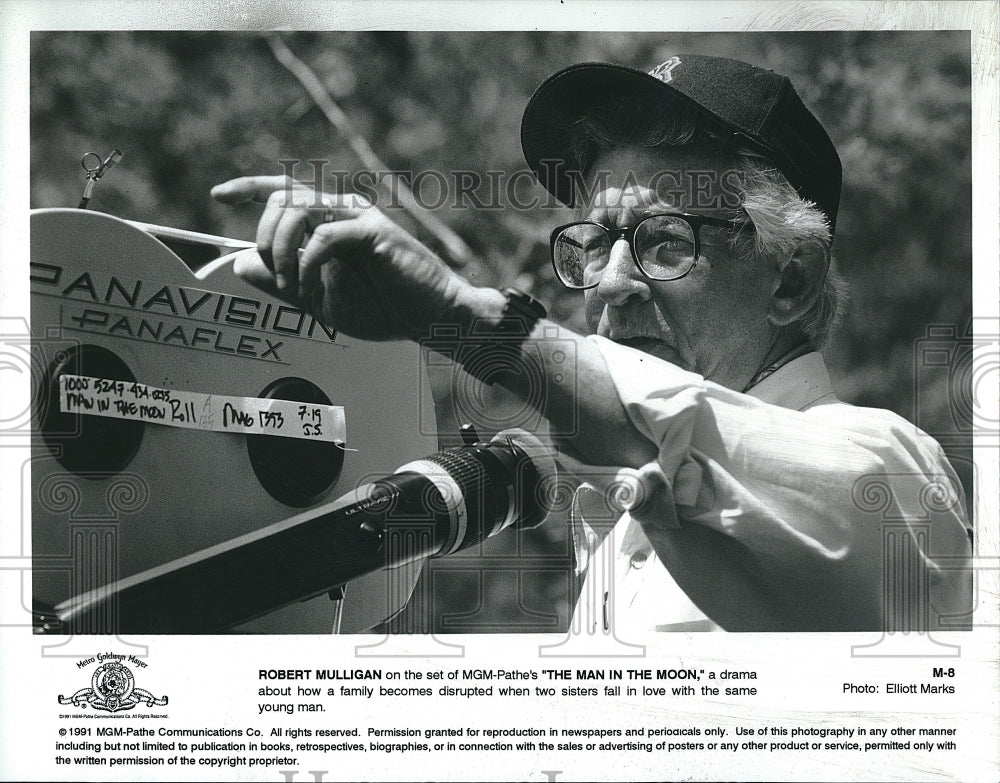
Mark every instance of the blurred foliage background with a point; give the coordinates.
(193, 109)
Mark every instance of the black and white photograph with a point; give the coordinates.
(658, 353)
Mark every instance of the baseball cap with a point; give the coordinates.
(759, 107)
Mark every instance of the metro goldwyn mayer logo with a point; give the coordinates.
(112, 689)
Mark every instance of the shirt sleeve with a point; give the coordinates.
(831, 518)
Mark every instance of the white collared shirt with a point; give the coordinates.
(779, 509)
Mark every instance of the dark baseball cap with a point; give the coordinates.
(759, 107)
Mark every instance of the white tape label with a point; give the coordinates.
(192, 410)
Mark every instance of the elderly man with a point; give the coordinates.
(706, 197)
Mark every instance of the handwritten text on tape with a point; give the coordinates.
(192, 410)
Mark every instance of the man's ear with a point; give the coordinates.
(798, 283)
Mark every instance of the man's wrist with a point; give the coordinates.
(476, 309)
(485, 330)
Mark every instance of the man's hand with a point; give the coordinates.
(363, 275)
(357, 272)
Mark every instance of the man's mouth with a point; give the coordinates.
(636, 330)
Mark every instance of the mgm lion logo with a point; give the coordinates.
(112, 689)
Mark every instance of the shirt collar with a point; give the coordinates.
(800, 384)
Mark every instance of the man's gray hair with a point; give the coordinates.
(781, 219)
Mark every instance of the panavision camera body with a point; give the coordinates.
(175, 407)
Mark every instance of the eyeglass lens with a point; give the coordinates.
(663, 245)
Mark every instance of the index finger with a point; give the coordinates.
(255, 188)
(260, 188)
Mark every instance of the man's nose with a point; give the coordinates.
(621, 278)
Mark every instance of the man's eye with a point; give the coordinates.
(668, 246)
(668, 239)
(666, 233)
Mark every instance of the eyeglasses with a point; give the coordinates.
(664, 247)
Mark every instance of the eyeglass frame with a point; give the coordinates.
(628, 234)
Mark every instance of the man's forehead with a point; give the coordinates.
(637, 200)
(688, 156)
(698, 178)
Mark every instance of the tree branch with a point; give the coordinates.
(458, 251)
